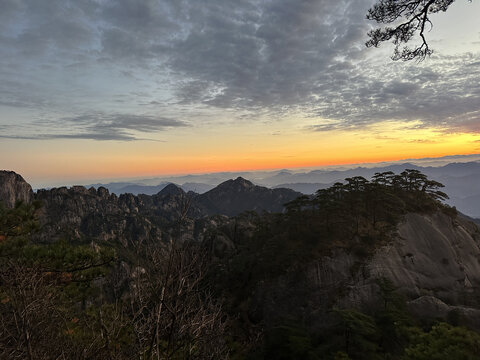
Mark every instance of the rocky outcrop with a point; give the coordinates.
(430, 307)
(81, 214)
(170, 204)
(436, 255)
(78, 213)
(171, 189)
(433, 259)
(14, 188)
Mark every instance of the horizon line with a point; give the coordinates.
(346, 166)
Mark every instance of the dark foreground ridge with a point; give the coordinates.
(365, 269)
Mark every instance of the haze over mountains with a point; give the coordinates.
(461, 181)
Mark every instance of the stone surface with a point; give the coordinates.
(433, 260)
(432, 255)
(14, 188)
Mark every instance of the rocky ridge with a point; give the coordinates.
(82, 214)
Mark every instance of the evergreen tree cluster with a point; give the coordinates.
(362, 210)
(382, 199)
(389, 333)
(356, 216)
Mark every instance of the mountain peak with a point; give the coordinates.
(239, 184)
(235, 196)
(242, 181)
(171, 189)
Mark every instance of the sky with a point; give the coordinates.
(104, 89)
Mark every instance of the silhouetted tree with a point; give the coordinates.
(411, 19)
(383, 178)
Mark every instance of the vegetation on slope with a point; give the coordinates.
(357, 216)
(389, 333)
(165, 301)
(65, 301)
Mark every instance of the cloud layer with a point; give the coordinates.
(99, 126)
(272, 56)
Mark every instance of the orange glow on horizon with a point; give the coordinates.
(253, 149)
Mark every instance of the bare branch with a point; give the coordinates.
(413, 16)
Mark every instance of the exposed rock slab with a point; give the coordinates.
(434, 255)
(14, 188)
(433, 260)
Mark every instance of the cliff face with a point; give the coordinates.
(79, 213)
(14, 188)
(434, 260)
(433, 255)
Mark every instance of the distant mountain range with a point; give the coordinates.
(138, 188)
(461, 180)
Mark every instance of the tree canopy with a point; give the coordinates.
(410, 19)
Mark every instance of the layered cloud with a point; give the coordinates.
(98, 126)
(271, 56)
(444, 96)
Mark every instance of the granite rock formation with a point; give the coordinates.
(14, 188)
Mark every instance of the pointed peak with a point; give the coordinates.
(171, 189)
(239, 182)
